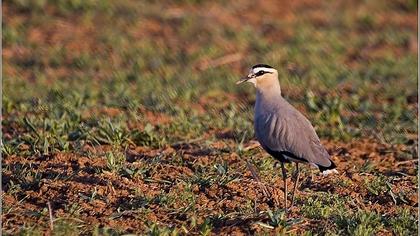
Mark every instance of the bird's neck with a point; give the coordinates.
(267, 98)
(268, 90)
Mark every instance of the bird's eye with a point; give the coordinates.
(259, 73)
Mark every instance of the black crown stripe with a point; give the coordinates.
(262, 65)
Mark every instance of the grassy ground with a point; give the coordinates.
(125, 117)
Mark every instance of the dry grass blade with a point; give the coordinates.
(204, 65)
(51, 216)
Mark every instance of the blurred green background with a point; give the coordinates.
(350, 67)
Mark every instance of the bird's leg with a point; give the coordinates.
(285, 185)
(296, 183)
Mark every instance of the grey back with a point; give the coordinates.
(280, 127)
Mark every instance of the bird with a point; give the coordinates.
(282, 131)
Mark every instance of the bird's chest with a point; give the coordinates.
(268, 120)
(267, 127)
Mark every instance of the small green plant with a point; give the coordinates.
(314, 208)
(30, 231)
(205, 227)
(361, 223)
(381, 185)
(324, 206)
(367, 167)
(159, 230)
(403, 223)
(277, 218)
(73, 209)
(104, 231)
(147, 137)
(111, 133)
(65, 227)
(376, 186)
(115, 160)
(8, 149)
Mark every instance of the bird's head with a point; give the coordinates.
(261, 74)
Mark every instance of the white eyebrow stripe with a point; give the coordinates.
(258, 69)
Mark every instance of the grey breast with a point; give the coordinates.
(283, 128)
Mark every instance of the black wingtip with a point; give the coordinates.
(324, 168)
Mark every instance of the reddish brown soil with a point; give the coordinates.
(67, 179)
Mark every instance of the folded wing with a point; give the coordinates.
(290, 134)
